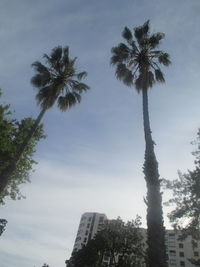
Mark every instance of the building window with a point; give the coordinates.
(180, 245)
(101, 219)
(86, 232)
(171, 244)
(182, 263)
(79, 232)
(196, 253)
(172, 262)
(181, 254)
(85, 240)
(100, 226)
(88, 225)
(83, 218)
(194, 244)
(171, 235)
(81, 225)
(172, 253)
(89, 219)
(78, 238)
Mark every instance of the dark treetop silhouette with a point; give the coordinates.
(57, 81)
(121, 243)
(138, 64)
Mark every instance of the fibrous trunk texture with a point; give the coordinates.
(156, 251)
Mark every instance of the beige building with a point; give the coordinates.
(178, 252)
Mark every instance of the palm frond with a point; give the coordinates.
(127, 34)
(159, 76)
(46, 97)
(48, 59)
(81, 87)
(39, 67)
(40, 80)
(72, 62)
(81, 75)
(54, 60)
(155, 39)
(124, 74)
(134, 46)
(142, 32)
(56, 54)
(164, 59)
(43, 75)
(120, 53)
(68, 101)
(65, 58)
(78, 86)
(139, 83)
(150, 79)
(128, 78)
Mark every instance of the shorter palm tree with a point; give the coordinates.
(58, 82)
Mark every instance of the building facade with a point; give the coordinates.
(90, 224)
(178, 252)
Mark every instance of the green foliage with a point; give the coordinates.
(186, 198)
(12, 134)
(121, 244)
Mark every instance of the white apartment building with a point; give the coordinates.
(178, 252)
(90, 223)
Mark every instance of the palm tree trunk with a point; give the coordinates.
(156, 251)
(8, 171)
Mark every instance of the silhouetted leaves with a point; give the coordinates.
(186, 198)
(118, 244)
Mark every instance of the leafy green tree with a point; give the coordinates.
(186, 198)
(118, 243)
(57, 81)
(138, 64)
(12, 134)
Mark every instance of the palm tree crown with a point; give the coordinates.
(58, 81)
(137, 62)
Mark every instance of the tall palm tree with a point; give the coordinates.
(138, 64)
(57, 81)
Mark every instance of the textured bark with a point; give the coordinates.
(7, 172)
(156, 251)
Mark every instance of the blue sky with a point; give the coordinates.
(92, 159)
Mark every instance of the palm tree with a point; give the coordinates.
(138, 64)
(57, 81)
